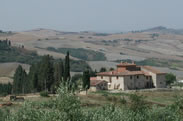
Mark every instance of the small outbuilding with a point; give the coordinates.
(98, 84)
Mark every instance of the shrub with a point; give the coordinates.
(123, 100)
(137, 103)
(44, 94)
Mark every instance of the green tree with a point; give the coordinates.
(170, 78)
(103, 69)
(33, 77)
(58, 74)
(111, 69)
(86, 79)
(67, 69)
(20, 80)
(45, 73)
(77, 81)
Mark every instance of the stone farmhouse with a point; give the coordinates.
(129, 76)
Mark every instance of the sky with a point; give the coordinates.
(90, 15)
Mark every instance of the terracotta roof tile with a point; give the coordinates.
(116, 73)
(96, 82)
(126, 64)
(93, 78)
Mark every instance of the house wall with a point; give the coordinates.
(154, 78)
(159, 80)
(117, 82)
(135, 82)
(102, 86)
(106, 78)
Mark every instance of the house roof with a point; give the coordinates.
(124, 73)
(124, 64)
(153, 70)
(96, 82)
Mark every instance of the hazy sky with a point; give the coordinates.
(94, 15)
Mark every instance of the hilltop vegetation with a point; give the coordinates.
(9, 53)
(16, 54)
(81, 53)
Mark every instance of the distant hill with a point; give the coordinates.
(164, 30)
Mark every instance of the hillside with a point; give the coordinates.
(164, 30)
(159, 43)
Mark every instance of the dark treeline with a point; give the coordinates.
(45, 75)
(5, 44)
(5, 89)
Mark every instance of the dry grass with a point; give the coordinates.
(8, 69)
(166, 46)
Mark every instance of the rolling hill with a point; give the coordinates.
(161, 43)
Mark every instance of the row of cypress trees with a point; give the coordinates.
(43, 76)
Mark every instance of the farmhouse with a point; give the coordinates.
(129, 76)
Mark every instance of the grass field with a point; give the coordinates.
(94, 100)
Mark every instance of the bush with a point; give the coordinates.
(44, 94)
(137, 103)
(170, 78)
(4, 114)
(123, 100)
(67, 107)
(5, 89)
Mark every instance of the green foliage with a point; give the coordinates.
(123, 100)
(84, 54)
(170, 78)
(137, 103)
(86, 79)
(5, 45)
(101, 34)
(79, 65)
(103, 69)
(20, 83)
(14, 54)
(67, 107)
(45, 73)
(5, 89)
(4, 114)
(44, 94)
(77, 80)
(67, 75)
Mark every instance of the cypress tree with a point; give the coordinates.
(20, 80)
(25, 84)
(33, 77)
(45, 73)
(67, 69)
(17, 80)
(58, 72)
(86, 79)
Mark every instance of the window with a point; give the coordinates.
(137, 77)
(117, 77)
(130, 77)
(101, 77)
(147, 77)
